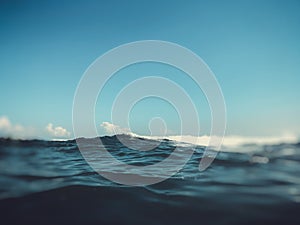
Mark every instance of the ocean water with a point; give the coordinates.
(49, 182)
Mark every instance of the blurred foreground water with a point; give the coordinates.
(49, 182)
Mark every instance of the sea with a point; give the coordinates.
(50, 182)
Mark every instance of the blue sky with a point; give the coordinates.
(252, 47)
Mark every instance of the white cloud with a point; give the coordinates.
(4, 123)
(110, 129)
(7, 129)
(57, 132)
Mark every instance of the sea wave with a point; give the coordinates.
(37, 176)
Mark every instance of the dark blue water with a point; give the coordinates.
(49, 182)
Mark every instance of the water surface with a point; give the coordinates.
(49, 182)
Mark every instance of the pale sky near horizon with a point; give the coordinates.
(252, 47)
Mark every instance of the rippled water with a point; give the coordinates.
(49, 182)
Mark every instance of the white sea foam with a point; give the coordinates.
(230, 143)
